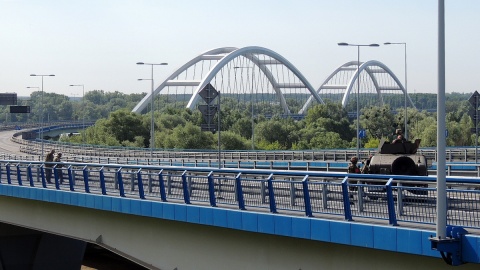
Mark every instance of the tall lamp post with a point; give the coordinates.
(253, 123)
(152, 120)
(41, 109)
(405, 94)
(83, 110)
(358, 86)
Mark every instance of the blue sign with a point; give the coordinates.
(362, 134)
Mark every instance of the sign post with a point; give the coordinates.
(474, 114)
(208, 94)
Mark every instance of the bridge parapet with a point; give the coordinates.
(233, 197)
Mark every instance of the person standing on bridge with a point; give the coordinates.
(352, 167)
(48, 166)
(58, 168)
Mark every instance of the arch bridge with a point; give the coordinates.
(262, 81)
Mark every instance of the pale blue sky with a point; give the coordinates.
(97, 43)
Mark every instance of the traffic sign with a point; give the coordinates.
(19, 109)
(362, 134)
(474, 114)
(208, 93)
(208, 112)
(475, 99)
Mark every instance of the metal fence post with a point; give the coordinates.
(306, 197)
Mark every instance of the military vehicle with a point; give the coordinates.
(399, 158)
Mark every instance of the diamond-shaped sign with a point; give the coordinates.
(475, 99)
(208, 93)
(208, 112)
(474, 114)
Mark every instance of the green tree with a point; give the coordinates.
(378, 121)
(125, 126)
(232, 141)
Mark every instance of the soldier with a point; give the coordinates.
(366, 166)
(352, 167)
(58, 159)
(48, 166)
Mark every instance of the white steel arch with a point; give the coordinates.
(214, 54)
(369, 68)
(224, 56)
(249, 52)
(372, 67)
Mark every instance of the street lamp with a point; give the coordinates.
(83, 110)
(253, 124)
(358, 86)
(41, 109)
(152, 122)
(405, 94)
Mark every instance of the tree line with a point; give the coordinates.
(325, 126)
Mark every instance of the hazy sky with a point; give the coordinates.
(98, 42)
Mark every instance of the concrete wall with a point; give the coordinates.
(167, 244)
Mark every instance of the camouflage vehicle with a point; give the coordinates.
(398, 158)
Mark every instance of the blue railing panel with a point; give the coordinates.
(313, 193)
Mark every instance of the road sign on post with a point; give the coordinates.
(474, 114)
(208, 94)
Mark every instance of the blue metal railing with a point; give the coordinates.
(396, 199)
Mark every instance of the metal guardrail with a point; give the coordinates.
(391, 198)
(464, 154)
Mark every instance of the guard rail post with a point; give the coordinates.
(306, 197)
(71, 181)
(211, 190)
(55, 177)
(102, 182)
(9, 179)
(392, 217)
(346, 200)
(19, 175)
(120, 182)
(186, 195)
(30, 175)
(163, 196)
(271, 195)
(85, 179)
(141, 192)
(239, 190)
(42, 176)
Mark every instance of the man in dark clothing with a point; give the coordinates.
(59, 166)
(352, 167)
(48, 167)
